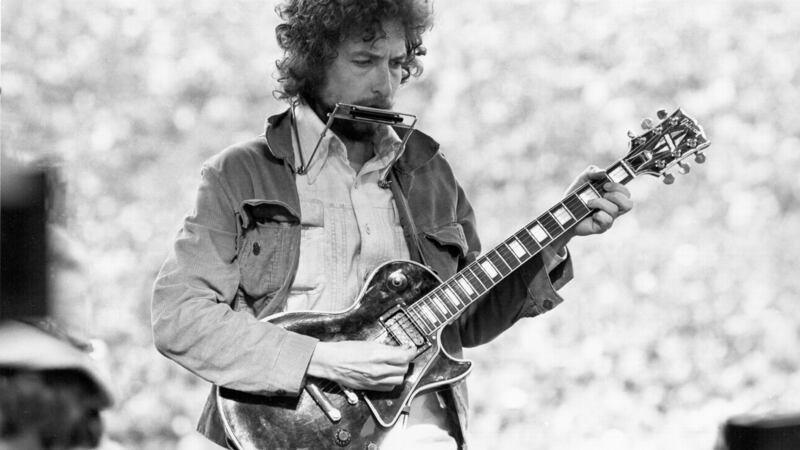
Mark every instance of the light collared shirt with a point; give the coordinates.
(350, 225)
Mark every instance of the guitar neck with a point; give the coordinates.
(448, 301)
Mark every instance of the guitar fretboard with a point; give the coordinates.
(444, 304)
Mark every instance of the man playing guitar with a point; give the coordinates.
(296, 219)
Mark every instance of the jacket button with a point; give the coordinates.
(256, 248)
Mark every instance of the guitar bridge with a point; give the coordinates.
(403, 330)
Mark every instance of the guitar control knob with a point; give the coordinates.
(342, 437)
(699, 158)
(397, 280)
(669, 178)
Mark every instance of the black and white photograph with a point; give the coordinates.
(400, 224)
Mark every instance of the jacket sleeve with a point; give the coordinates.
(192, 318)
(528, 292)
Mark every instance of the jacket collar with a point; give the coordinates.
(420, 148)
(278, 134)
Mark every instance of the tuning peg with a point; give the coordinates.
(669, 178)
(699, 158)
(631, 134)
(662, 114)
(683, 168)
(647, 123)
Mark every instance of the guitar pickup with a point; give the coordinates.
(403, 330)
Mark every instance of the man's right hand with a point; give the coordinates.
(361, 365)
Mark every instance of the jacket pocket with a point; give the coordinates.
(444, 248)
(268, 228)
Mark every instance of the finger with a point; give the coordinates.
(399, 356)
(386, 385)
(604, 205)
(616, 187)
(595, 173)
(384, 382)
(624, 204)
(585, 176)
(602, 221)
(394, 380)
(387, 371)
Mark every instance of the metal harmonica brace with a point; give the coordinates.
(367, 114)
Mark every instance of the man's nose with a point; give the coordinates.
(382, 83)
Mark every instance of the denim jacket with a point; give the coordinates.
(235, 257)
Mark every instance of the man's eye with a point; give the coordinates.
(362, 62)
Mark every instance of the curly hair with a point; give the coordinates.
(313, 30)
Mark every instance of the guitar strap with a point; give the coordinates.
(445, 397)
(406, 220)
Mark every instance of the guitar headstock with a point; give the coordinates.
(666, 144)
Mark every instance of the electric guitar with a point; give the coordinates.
(405, 303)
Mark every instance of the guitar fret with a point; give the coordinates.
(528, 242)
(452, 296)
(519, 250)
(484, 277)
(463, 296)
(412, 311)
(429, 326)
(561, 214)
(597, 185)
(459, 291)
(550, 224)
(538, 232)
(457, 305)
(619, 173)
(429, 313)
(576, 206)
(588, 193)
(509, 258)
(469, 274)
(496, 258)
(466, 285)
(439, 303)
(489, 268)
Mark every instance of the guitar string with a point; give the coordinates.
(547, 220)
(452, 283)
(572, 200)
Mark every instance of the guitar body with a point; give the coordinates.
(260, 422)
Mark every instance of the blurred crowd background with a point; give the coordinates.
(681, 316)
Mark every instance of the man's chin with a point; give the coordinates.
(354, 131)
